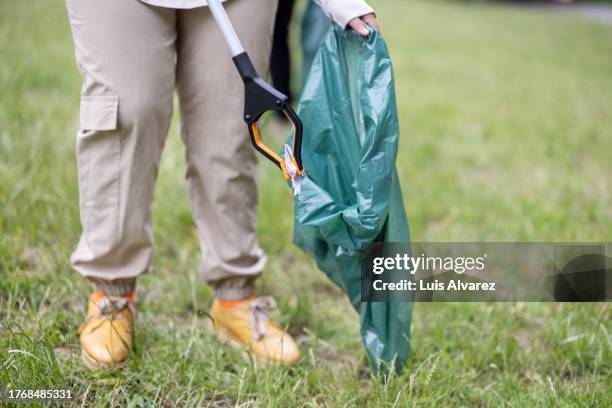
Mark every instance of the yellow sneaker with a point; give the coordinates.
(247, 323)
(106, 334)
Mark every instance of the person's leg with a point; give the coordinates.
(221, 161)
(125, 54)
(222, 168)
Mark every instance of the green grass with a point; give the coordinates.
(506, 135)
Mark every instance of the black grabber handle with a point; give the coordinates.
(261, 97)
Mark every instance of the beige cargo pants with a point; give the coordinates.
(131, 56)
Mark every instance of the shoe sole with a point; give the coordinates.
(94, 365)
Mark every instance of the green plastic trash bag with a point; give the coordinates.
(351, 195)
(315, 24)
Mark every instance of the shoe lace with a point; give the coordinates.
(259, 315)
(108, 309)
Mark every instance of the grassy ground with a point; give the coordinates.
(506, 135)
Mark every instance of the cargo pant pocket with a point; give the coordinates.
(98, 162)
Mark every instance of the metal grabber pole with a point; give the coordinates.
(260, 97)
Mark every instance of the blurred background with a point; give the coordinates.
(506, 135)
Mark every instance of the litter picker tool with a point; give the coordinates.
(261, 97)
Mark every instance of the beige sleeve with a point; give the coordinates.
(342, 11)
